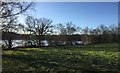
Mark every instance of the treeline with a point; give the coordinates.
(103, 34)
(10, 11)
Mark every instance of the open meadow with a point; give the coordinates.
(97, 58)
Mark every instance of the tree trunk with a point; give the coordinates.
(39, 43)
(9, 44)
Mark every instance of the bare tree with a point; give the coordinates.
(104, 33)
(41, 26)
(67, 29)
(8, 16)
(85, 34)
(9, 12)
(61, 29)
(16, 8)
(71, 28)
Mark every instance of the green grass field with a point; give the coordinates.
(67, 59)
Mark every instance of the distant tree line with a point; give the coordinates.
(103, 34)
(9, 12)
